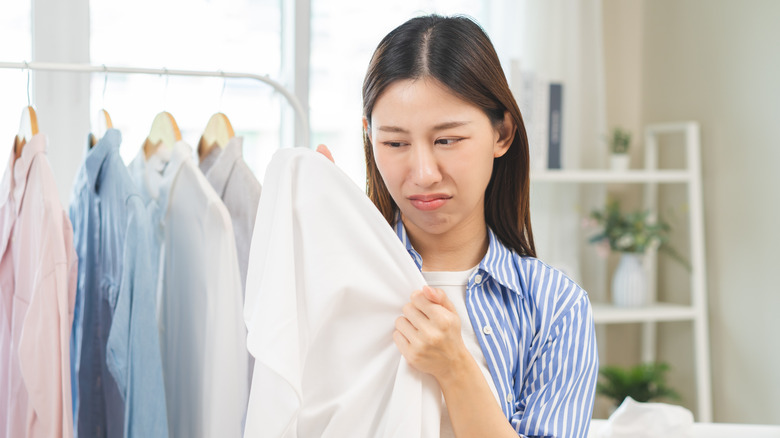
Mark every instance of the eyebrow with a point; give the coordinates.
(439, 127)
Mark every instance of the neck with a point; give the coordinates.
(458, 249)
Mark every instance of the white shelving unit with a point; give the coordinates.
(611, 177)
(657, 312)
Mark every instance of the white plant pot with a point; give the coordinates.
(619, 162)
(629, 283)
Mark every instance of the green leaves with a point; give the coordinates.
(619, 141)
(644, 382)
(633, 231)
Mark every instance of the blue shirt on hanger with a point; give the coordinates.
(535, 328)
(116, 353)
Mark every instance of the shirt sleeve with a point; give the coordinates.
(134, 256)
(44, 344)
(133, 348)
(556, 399)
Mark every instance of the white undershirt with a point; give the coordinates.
(454, 285)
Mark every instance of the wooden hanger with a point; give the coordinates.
(28, 127)
(103, 125)
(218, 132)
(165, 132)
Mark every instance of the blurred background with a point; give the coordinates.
(627, 63)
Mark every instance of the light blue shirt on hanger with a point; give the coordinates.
(116, 350)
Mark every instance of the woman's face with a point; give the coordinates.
(435, 153)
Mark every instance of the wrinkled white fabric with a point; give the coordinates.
(634, 419)
(327, 279)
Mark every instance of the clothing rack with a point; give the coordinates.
(86, 68)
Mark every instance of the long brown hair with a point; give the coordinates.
(456, 52)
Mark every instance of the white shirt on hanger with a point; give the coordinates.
(327, 279)
(202, 335)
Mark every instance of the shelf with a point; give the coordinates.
(609, 314)
(650, 178)
(610, 176)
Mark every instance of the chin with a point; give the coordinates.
(428, 222)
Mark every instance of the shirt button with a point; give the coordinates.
(478, 279)
(487, 330)
(509, 397)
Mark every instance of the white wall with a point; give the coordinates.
(622, 20)
(718, 62)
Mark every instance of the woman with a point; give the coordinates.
(509, 339)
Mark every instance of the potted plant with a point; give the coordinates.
(644, 382)
(619, 143)
(631, 234)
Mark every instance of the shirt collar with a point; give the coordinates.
(15, 180)
(137, 167)
(400, 231)
(499, 262)
(207, 162)
(165, 165)
(502, 264)
(96, 156)
(217, 168)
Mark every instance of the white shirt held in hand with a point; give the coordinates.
(327, 279)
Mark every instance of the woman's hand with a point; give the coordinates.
(428, 336)
(428, 333)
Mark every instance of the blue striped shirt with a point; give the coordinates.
(535, 327)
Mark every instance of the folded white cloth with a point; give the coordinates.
(634, 419)
(327, 279)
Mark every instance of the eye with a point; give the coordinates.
(393, 144)
(448, 141)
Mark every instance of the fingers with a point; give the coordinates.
(439, 297)
(401, 342)
(420, 299)
(433, 295)
(428, 334)
(325, 151)
(414, 315)
(405, 328)
(431, 319)
(430, 301)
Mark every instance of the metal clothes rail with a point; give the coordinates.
(86, 68)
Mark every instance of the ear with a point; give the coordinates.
(505, 133)
(367, 130)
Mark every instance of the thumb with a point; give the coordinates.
(325, 151)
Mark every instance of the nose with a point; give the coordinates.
(424, 166)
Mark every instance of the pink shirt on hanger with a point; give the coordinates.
(37, 288)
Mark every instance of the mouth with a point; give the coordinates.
(429, 202)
